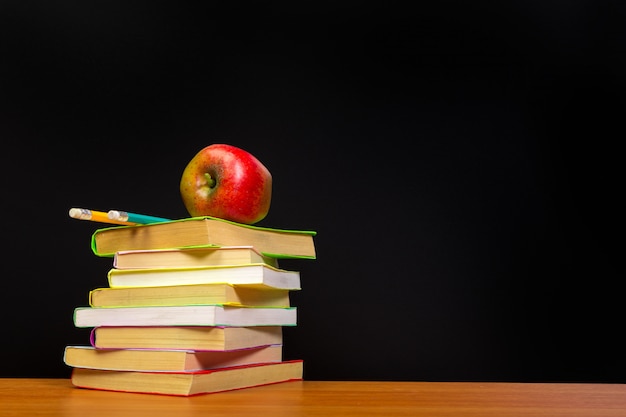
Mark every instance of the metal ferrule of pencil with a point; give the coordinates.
(134, 217)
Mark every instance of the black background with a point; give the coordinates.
(459, 160)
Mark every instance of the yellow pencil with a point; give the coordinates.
(95, 216)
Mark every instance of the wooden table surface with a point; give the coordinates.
(57, 397)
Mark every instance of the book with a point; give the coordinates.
(225, 294)
(203, 231)
(185, 315)
(166, 360)
(188, 383)
(187, 257)
(185, 337)
(252, 275)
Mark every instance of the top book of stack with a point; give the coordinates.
(204, 231)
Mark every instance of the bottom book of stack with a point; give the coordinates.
(178, 372)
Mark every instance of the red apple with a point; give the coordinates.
(226, 182)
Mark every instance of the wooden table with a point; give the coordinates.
(57, 397)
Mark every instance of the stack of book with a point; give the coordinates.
(192, 306)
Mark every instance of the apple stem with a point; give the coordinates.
(209, 180)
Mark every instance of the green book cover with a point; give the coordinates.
(204, 231)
